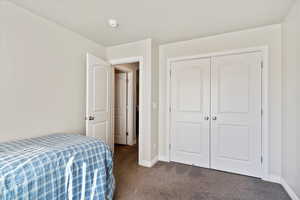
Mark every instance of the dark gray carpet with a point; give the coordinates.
(172, 181)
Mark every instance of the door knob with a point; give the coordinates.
(91, 118)
(206, 118)
(214, 118)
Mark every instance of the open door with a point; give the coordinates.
(98, 105)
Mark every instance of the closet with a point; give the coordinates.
(216, 113)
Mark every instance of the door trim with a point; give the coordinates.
(265, 103)
(143, 114)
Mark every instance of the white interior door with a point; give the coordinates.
(236, 114)
(190, 109)
(131, 115)
(98, 111)
(121, 108)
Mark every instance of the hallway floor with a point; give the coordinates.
(173, 181)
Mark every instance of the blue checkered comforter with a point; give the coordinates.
(36, 169)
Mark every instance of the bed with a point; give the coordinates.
(56, 167)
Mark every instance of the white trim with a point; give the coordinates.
(163, 158)
(265, 106)
(146, 163)
(126, 60)
(289, 190)
(273, 179)
(265, 103)
(154, 161)
(285, 185)
(143, 116)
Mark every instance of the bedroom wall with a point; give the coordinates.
(269, 35)
(42, 75)
(155, 100)
(290, 101)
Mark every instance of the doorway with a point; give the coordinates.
(100, 92)
(126, 104)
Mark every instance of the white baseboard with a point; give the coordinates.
(289, 190)
(154, 161)
(273, 179)
(147, 163)
(281, 181)
(163, 158)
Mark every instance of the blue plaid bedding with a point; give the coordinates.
(56, 167)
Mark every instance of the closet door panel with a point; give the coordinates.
(190, 105)
(236, 114)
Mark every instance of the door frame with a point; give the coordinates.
(142, 101)
(265, 103)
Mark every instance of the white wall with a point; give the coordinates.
(271, 36)
(42, 75)
(291, 100)
(141, 49)
(155, 99)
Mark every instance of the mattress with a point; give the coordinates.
(56, 167)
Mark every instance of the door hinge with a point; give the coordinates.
(170, 146)
(170, 73)
(262, 64)
(170, 109)
(261, 111)
(261, 159)
(126, 133)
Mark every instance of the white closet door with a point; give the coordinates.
(236, 114)
(190, 105)
(121, 108)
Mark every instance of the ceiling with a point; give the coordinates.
(163, 20)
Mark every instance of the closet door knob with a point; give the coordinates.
(214, 118)
(206, 118)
